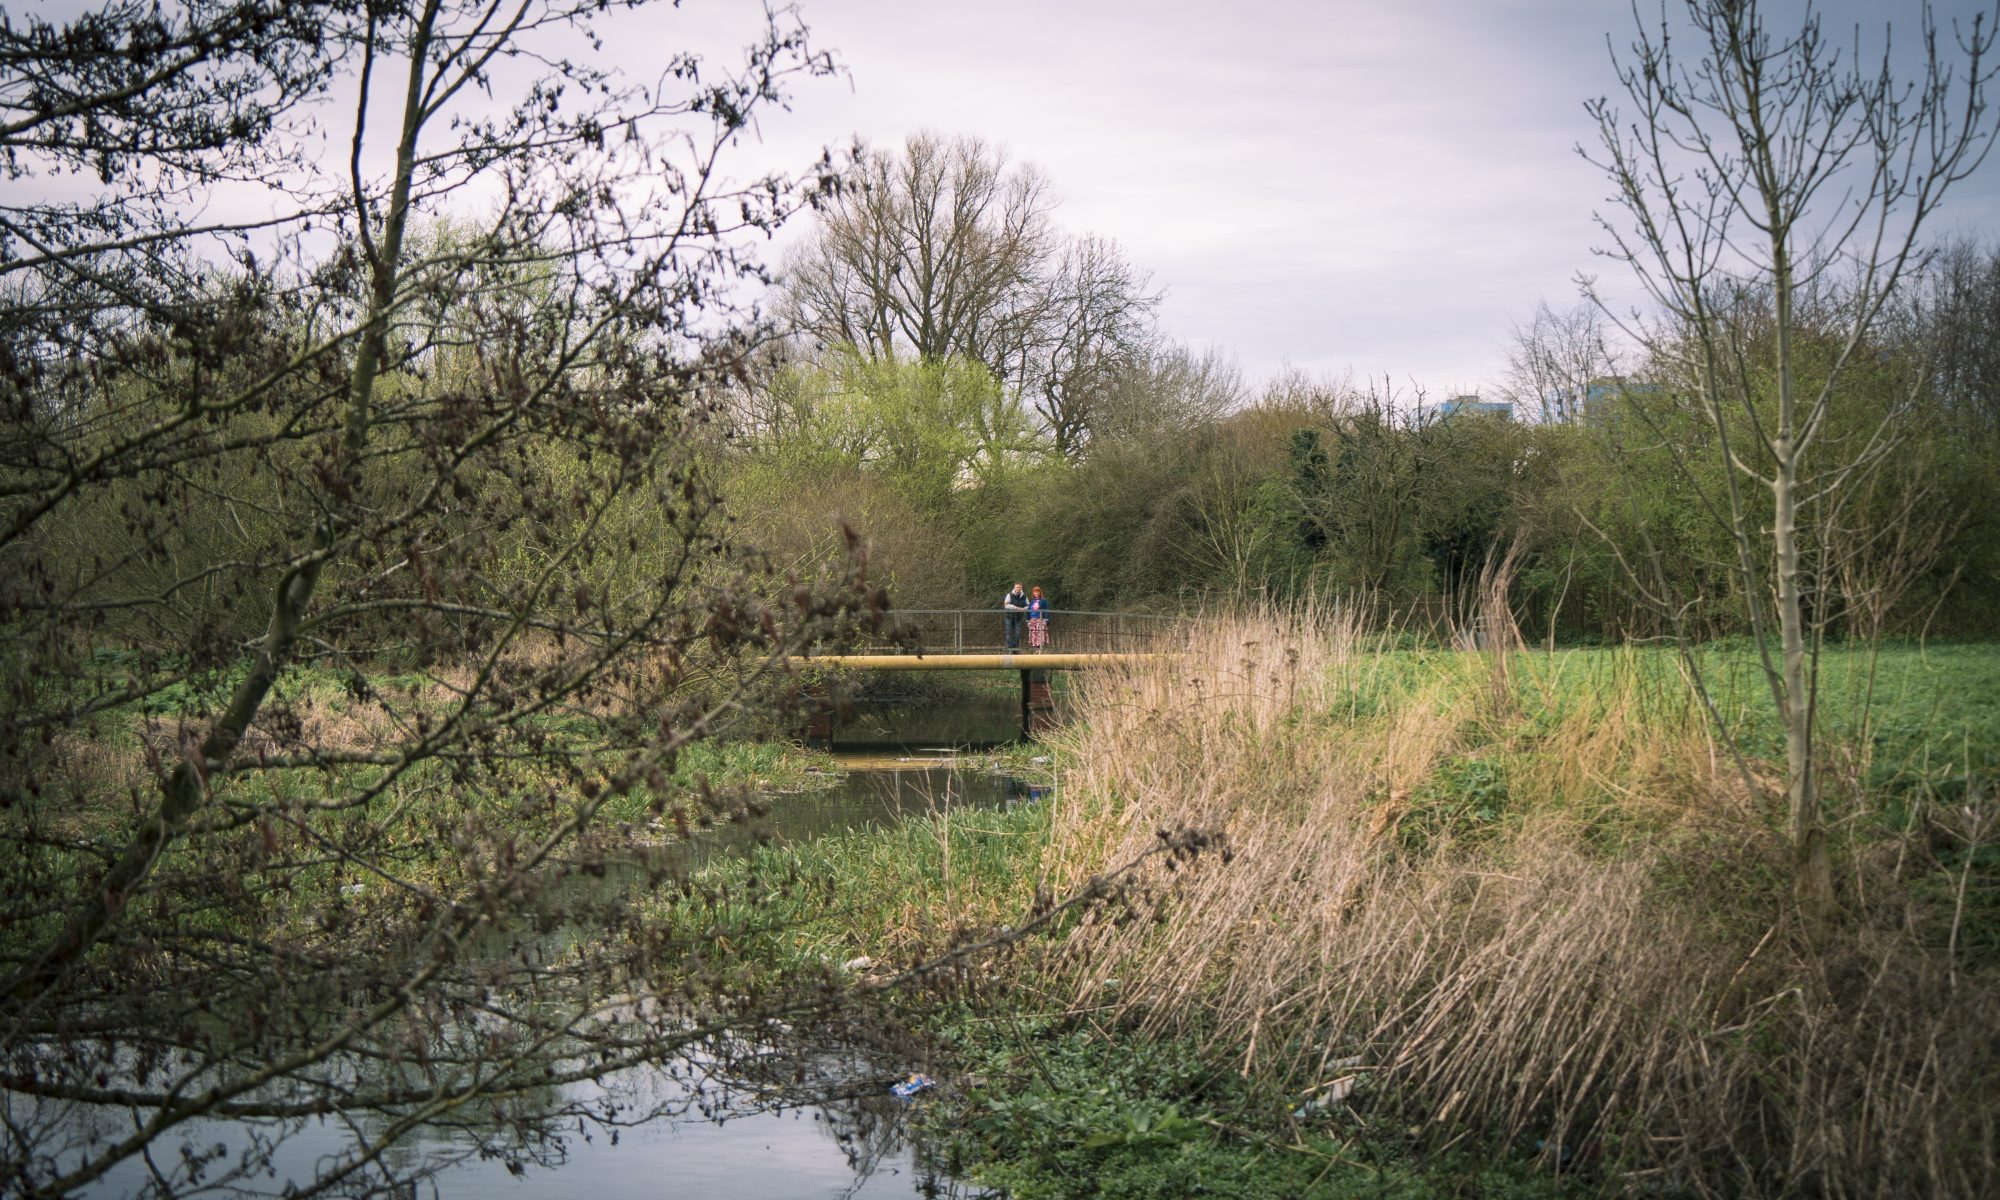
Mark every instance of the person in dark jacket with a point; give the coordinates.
(1015, 605)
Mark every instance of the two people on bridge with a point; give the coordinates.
(1022, 608)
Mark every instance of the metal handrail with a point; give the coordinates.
(1072, 612)
(945, 630)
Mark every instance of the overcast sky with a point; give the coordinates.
(1338, 185)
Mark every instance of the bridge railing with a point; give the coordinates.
(1071, 631)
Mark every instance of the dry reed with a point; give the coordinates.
(1609, 966)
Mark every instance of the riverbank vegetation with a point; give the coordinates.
(365, 592)
(1523, 912)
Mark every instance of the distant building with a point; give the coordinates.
(1607, 395)
(1473, 404)
(1602, 392)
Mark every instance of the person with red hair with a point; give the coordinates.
(1038, 620)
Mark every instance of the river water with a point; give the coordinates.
(749, 1144)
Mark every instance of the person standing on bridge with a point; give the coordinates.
(1015, 604)
(1038, 621)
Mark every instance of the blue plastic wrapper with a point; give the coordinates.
(911, 1086)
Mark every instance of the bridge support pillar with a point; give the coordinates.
(1038, 710)
(819, 717)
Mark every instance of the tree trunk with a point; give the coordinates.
(1812, 870)
(1812, 878)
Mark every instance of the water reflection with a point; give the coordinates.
(697, 1130)
(972, 720)
(752, 1119)
(902, 758)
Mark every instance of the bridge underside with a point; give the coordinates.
(1037, 706)
(968, 662)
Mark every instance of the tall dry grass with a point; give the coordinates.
(1597, 954)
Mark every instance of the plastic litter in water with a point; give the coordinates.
(911, 1086)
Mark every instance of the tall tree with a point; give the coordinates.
(250, 470)
(935, 252)
(1755, 165)
(1096, 315)
(943, 250)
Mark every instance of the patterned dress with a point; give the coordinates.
(1038, 623)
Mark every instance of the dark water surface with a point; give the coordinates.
(717, 1137)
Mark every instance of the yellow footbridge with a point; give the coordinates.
(978, 640)
(994, 661)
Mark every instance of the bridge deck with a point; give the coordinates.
(1003, 661)
(956, 631)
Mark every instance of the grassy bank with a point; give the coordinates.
(1525, 911)
(429, 830)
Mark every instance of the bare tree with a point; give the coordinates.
(1749, 173)
(1166, 387)
(357, 565)
(944, 251)
(935, 252)
(1096, 313)
(1955, 322)
(1556, 358)
(1226, 534)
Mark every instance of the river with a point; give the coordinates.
(712, 1135)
